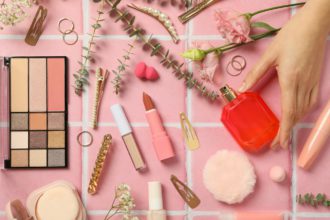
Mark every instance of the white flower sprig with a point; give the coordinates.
(123, 203)
(13, 11)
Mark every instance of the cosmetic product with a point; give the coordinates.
(259, 216)
(151, 73)
(160, 139)
(127, 136)
(316, 140)
(160, 17)
(89, 141)
(37, 100)
(140, 70)
(188, 132)
(156, 211)
(36, 27)
(101, 79)
(194, 11)
(277, 174)
(229, 176)
(99, 163)
(58, 200)
(185, 192)
(249, 120)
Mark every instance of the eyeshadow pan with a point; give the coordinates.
(56, 121)
(19, 158)
(56, 139)
(56, 85)
(38, 121)
(37, 84)
(19, 84)
(19, 121)
(38, 139)
(38, 158)
(19, 139)
(56, 158)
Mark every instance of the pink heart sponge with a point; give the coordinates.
(151, 73)
(140, 70)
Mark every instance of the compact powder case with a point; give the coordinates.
(36, 96)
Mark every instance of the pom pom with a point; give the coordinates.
(277, 174)
(229, 176)
(140, 70)
(151, 73)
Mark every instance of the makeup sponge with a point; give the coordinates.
(140, 70)
(277, 174)
(229, 176)
(151, 73)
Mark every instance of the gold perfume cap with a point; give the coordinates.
(228, 93)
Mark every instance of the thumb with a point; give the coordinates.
(262, 66)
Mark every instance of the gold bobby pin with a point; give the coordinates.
(36, 27)
(101, 79)
(187, 194)
(188, 132)
(185, 17)
(99, 163)
(160, 17)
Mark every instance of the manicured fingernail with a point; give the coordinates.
(286, 144)
(242, 88)
(274, 146)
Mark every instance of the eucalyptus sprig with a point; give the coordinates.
(158, 50)
(121, 70)
(309, 199)
(81, 76)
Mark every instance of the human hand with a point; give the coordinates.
(297, 53)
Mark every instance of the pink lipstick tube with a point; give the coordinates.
(316, 140)
(160, 139)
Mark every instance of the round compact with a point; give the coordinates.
(229, 176)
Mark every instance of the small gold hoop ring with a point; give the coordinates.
(236, 59)
(231, 64)
(74, 41)
(68, 31)
(79, 136)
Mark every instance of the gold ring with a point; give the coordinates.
(90, 137)
(242, 64)
(74, 41)
(68, 31)
(239, 71)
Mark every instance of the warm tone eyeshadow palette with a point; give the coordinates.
(37, 128)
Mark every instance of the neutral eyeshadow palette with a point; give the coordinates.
(37, 100)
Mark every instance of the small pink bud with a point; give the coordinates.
(151, 73)
(140, 70)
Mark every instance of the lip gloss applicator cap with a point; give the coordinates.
(155, 196)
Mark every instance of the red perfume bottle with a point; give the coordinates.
(248, 119)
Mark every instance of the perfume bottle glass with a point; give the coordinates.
(248, 119)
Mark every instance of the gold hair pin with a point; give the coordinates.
(36, 27)
(185, 192)
(160, 17)
(188, 132)
(191, 13)
(99, 163)
(101, 79)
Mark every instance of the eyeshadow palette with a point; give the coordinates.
(37, 132)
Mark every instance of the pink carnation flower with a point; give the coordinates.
(209, 64)
(233, 27)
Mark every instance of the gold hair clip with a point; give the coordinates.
(101, 79)
(99, 163)
(187, 194)
(36, 27)
(188, 132)
(185, 17)
(160, 17)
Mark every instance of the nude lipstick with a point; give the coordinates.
(316, 140)
(160, 139)
(128, 137)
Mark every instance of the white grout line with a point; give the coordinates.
(137, 212)
(75, 124)
(85, 110)
(313, 215)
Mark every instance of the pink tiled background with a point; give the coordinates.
(171, 97)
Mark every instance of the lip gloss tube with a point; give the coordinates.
(316, 140)
(127, 136)
(156, 211)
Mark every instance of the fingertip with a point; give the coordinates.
(242, 88)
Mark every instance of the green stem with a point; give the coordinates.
(273, 8)
(230, 46)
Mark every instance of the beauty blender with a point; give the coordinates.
(229, 176)
(277, 174)
(151, 73)
(140, 70)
